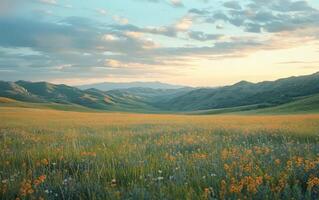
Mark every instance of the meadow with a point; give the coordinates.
(47, 154)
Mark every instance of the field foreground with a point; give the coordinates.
(47, 154)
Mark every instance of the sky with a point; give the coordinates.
(188, 42)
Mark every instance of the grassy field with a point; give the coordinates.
(48, 154)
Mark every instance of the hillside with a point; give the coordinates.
(295, 94)
(304, 105)
(264, 94)
(132, 99)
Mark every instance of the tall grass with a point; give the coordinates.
(67, 155)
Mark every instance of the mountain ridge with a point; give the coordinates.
(240, 95)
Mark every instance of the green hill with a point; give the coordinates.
(7, 102)
(304, 105)
(131, 100)
(264, 94)
(294, 94)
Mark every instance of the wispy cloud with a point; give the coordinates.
(52, 2)
(177, 3)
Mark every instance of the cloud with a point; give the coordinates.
(110, 37)
(51, 2)
(89, 48)
(120, 20)
(62, 67)
(219, 26)
(101, 11)
(201, 36)
(233, 5)
(176, 3)
(69, 39)
(184, 23)
(263, 16)
(113, 63)
(298, 62)
(173, 3)
(201, 12)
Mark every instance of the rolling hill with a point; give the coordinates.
(132, 99)
(308, 104)
(263, 94)
(295, 94)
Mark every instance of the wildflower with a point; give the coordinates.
(223, 191)
(208, 192)
(299, 161)
(224, 154)
(200, 155)
(277, 161)
(227, 168)
(170, 158)
(4, 181)
(314, 181)
(26, 188)
(282, 182)
(44, 161)
(236, 187)
(39, 180)
(309, 165)
(248, 152)
(267, 177)
(42, 178)
(113, 182)
(289, 165)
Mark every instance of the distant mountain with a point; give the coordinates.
(106, 86)
(294, 93)
(132, 99)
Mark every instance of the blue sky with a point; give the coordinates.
(190, 42)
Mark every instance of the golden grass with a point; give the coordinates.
(69, 155)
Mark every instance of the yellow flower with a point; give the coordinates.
(314, 181)
(39, 180)
(223, 190)
(26, 188)
(45, 161)
(289, 164)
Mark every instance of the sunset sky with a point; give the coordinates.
(189, 42)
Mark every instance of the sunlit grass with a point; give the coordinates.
(48, 154)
